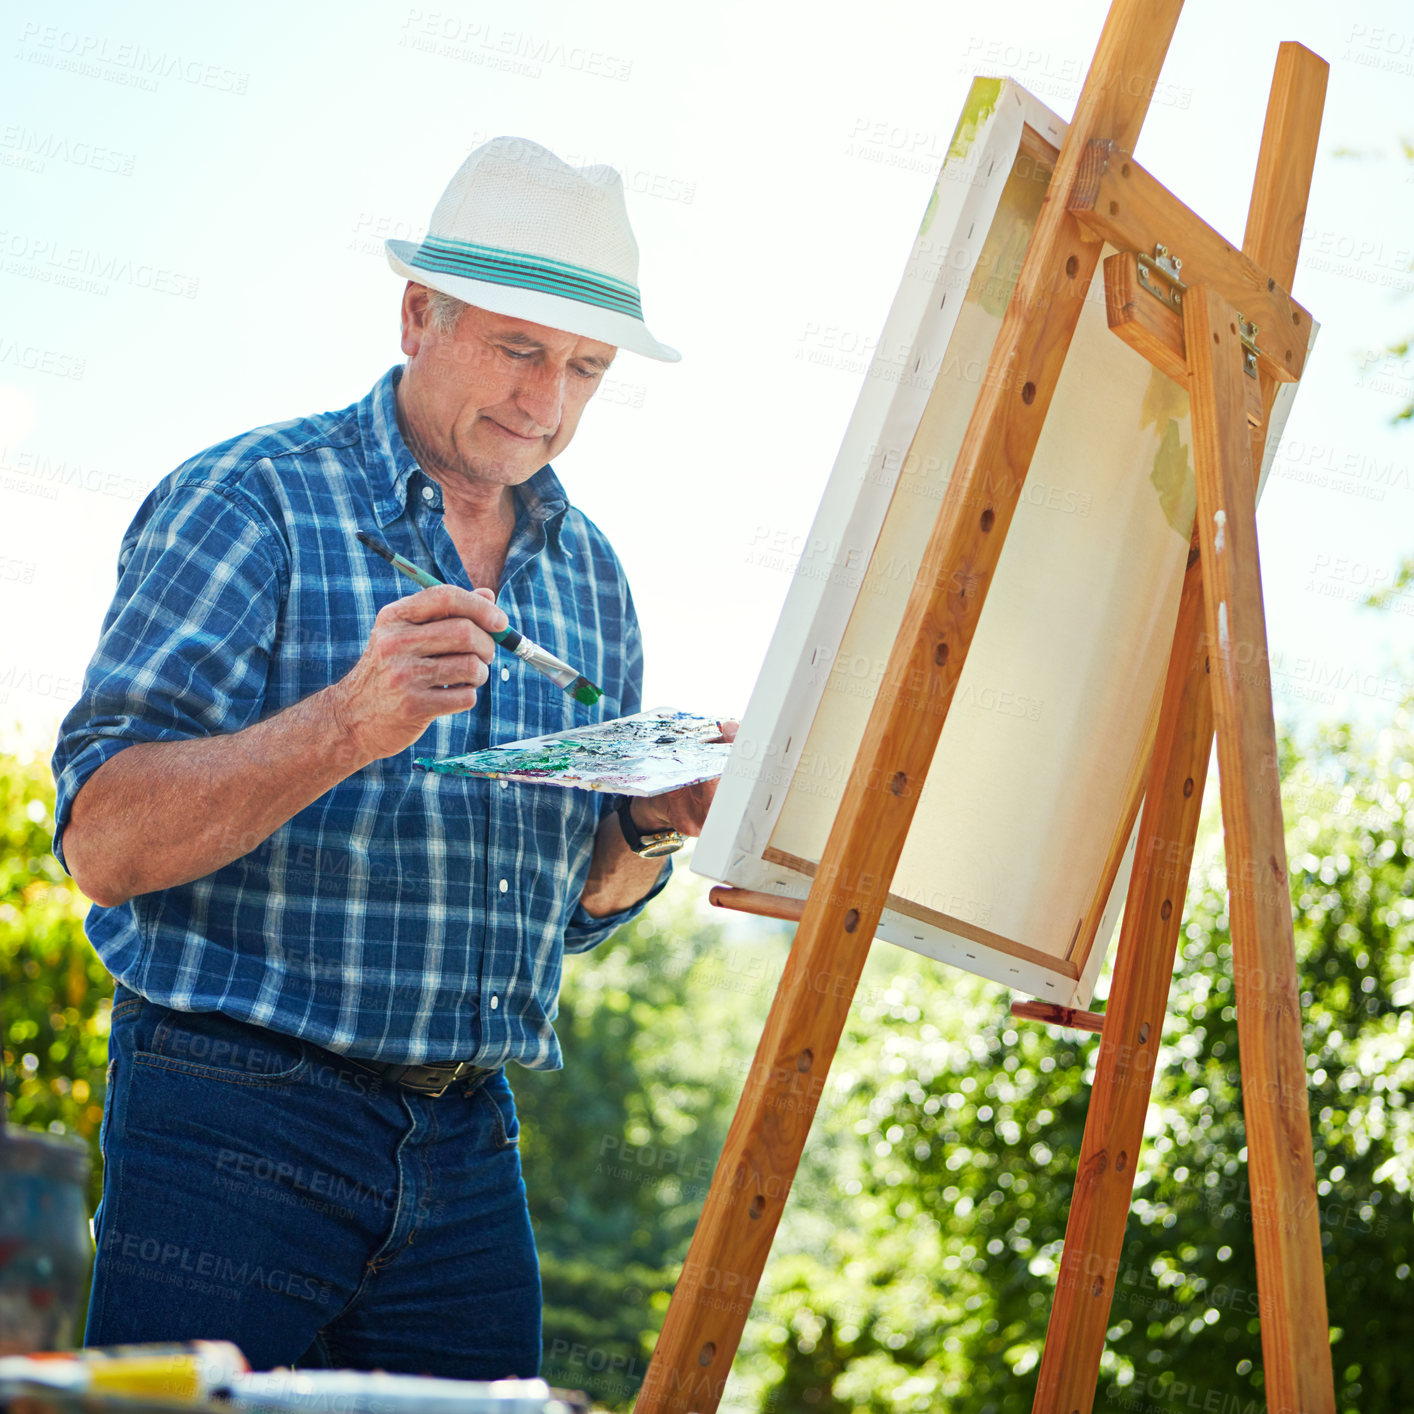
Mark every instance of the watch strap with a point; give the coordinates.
(653, 845)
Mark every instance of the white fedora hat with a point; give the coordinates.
(520, 232)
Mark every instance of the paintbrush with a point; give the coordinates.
(561, 674)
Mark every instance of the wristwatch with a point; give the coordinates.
(653, 845)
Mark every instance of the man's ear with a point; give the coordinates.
(414, 317)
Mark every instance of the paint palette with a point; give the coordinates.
(646, 754)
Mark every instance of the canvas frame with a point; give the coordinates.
(1007, 139)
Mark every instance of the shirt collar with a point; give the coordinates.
(543, 501)
(386, 457)
(390, 465)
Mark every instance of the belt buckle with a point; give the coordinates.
(403, 1075)
(423, 1089)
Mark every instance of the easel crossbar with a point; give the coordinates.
(1116, 200)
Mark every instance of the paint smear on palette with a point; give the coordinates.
(645, 754)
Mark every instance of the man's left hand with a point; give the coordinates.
(685, 809)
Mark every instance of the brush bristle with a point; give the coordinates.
(582, 690)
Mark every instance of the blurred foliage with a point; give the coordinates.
(55, 995)
(658, 1026)
(915, 1264)
(933, 1288)
(1401, 349)
(1403, 582)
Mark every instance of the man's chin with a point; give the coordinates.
(502, 471)
(489, 454)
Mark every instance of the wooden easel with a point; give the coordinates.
(1197, 327)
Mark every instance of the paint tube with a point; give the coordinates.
(182, 1373)
(360, 1392)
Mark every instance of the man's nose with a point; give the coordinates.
(541, 395)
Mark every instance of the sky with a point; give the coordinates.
(193, 202)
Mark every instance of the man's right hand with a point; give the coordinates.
(162, 813)
(426, 657)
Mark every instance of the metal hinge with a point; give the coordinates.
(1160, 275)
(1247, 332)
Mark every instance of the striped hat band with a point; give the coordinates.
(552, 277)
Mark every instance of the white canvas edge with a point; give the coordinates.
(842, 537)
(784, 702)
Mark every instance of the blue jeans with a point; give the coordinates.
(262, 1190)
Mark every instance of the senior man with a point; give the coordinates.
(325, 957)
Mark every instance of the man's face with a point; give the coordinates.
(496, 398)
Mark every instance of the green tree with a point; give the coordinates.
(932, 1288)
(56, 994)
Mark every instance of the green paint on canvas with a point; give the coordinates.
(980, 105)
(931, 211)
(1172, 478)
(1165, 406)
(999, 262)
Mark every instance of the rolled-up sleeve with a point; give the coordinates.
(185, 647)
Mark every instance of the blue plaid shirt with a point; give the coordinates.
(405, 915)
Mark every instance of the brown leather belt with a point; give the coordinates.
(430, 1080)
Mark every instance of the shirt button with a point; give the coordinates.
(495, 1002)
(503, 886)
(428, 494)
(505, 785)
(505, 675)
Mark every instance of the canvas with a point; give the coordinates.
(1018, 857)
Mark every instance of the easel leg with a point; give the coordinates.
(729, 1248)
(1134, 1018)
(1285, 1221)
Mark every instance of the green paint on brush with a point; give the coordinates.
(582, 690)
